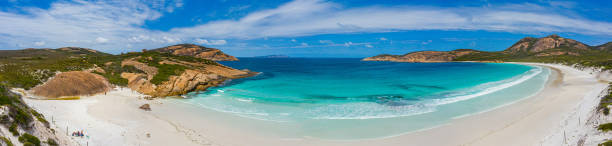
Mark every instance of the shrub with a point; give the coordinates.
(165, 71)
(19, 115)
(6, 141)
(606, 111)
(52, 142)
(607, 143)
(40, 117)
(605, 127)
(27, 138)
(13, 129)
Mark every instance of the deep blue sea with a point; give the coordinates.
(322, 97)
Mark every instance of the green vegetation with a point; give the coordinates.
(39, 117)
(605, 101)
(605, 127)
(6, 141)
(607, 143)
(586, 58)
(165, 71)
(27, 138)
(31, 67)
(52, 142)
(28, 68)
(13, 129)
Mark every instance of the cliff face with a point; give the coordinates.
(197, 77)
(422, 56)
(197, 51)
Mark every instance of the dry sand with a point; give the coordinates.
(114, 119)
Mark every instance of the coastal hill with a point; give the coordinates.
(273, 56)
(157, 73)
(422, 56)
(197, 51)
(552, 48)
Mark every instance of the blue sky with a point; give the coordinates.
(300, 28)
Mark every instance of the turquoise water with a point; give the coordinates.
(349, 98)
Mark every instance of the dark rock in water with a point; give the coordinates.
(390, 100)
(145, 107)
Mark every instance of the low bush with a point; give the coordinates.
(607, 143)
(13, 129)
(27, 138)
(52, 142)
(6, 141)
(605, 127)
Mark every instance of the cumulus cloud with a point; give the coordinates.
(40, 43)
(101, 40)
(210, 42)
(309, 17)
(82, 23)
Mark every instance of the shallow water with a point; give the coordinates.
(349, 98)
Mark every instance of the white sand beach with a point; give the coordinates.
(115, 119)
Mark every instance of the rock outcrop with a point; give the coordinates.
(423, 56)
(197, 51)
(198, 77)
(536, 45)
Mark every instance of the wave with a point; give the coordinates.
(376, 111)
(355, 110)
(487, 88)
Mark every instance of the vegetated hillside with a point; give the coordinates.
(163, 74)
(551, 49)
(423, 56)
(22, 122)
(87, 71)
(31, 67)
(197, 51)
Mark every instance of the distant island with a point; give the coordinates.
(273, 56)
(549, 49)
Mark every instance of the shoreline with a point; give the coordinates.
(117, 114)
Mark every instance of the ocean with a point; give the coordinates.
(345, 98)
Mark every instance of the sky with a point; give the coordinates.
(299, 28)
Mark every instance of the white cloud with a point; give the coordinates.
(101, 40)
(369, 46)
(210, 42)
(310, 17)
(40, 43)
(171, 39)
(122, 21)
